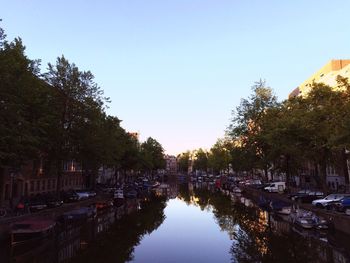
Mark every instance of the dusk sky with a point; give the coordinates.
(174, 69)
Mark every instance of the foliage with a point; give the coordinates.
(183, 161)
(60, 116)
(152, 155)
(201, 160)
(219, 156)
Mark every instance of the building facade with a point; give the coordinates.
(171, 164)
(335, 172)
(33, 178)
(327, 75)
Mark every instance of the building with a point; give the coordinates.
(134, 135)
(171, 164)
(36, 177)
(327, 75)
(107, 176)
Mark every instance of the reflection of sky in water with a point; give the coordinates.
(187, 235)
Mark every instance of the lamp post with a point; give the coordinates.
(13, 177)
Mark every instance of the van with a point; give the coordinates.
(276, 187)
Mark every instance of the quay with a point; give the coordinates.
(340, 221)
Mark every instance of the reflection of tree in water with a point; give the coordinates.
(184, 193)
(117, 245)
(253, 239)
(256, 242)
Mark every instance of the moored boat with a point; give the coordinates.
(307, 219)
(281, 207)
(30, 238)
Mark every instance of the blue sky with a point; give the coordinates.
(174, 69)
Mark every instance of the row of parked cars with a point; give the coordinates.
(336, 202)
(43, 201)
(271, 187)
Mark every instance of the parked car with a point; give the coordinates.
(329, 199)
(82, 194)
(341, 206)
(276, 187)
(91, 193)
(261, 186)
(52, 201)
(311, 196)
(302, 192)
(130, 193)
(35, 204)
(69, 196)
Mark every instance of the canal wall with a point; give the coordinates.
(339, 221)
(53, 213)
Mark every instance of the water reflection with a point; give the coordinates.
(117, 245)
(186, 223)
(258, 236)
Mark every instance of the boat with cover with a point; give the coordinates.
(30, 238)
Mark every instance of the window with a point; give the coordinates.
(32, 186)
(43, 185)
(37, 185)
(65, 166)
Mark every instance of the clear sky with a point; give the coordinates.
(174, 69)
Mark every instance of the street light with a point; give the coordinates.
(13, 174)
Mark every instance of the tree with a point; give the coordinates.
(130, 159)
(152, 155)
(246, 123)
(183, 161)
(24, 107)
(201, 160)
(219, 156)
(76, 94)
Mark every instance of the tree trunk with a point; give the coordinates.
(287, 169)
(323, 171)
(266, 173)
(345, 166)
(58, 176)
(2, 177)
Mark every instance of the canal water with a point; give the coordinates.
(189, 223)
(188, 234)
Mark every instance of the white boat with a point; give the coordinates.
(118, 194)
(237, 190)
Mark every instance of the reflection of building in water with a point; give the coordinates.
(104, 220)
(173, 190)
(68, 241)
(131, 205)
(278, 225)
(247, 202)
(162, 190)
(171, 164)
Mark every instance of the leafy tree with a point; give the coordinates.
(24, 107)
(219, 156)
(76, 94)
(201, 160)
(246, 123)
(130, 159)
(152, 154)
(183, 161)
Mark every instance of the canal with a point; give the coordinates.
(191, 223)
